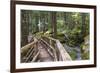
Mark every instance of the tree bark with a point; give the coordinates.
(24, 27)
(65, 18)
(53, 24)
(83, 32)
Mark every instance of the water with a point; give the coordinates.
(76, 49)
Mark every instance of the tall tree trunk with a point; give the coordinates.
(65, 18)
(83, 32)
(36, 23)
(24, 28)
(53, 24)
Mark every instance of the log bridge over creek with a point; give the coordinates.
(44, 49)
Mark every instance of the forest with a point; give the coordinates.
(70, 29)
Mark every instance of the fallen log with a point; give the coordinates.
(26, 47)
(29, 56)
(48, 50)
(65, 56)
(29, 51)
(35, 57)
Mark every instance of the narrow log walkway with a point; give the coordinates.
(42, 51)
(44, 56)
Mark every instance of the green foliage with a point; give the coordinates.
(73, 55)
(75, 37)
(73, 27)
(85, 56)
(85, 48)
